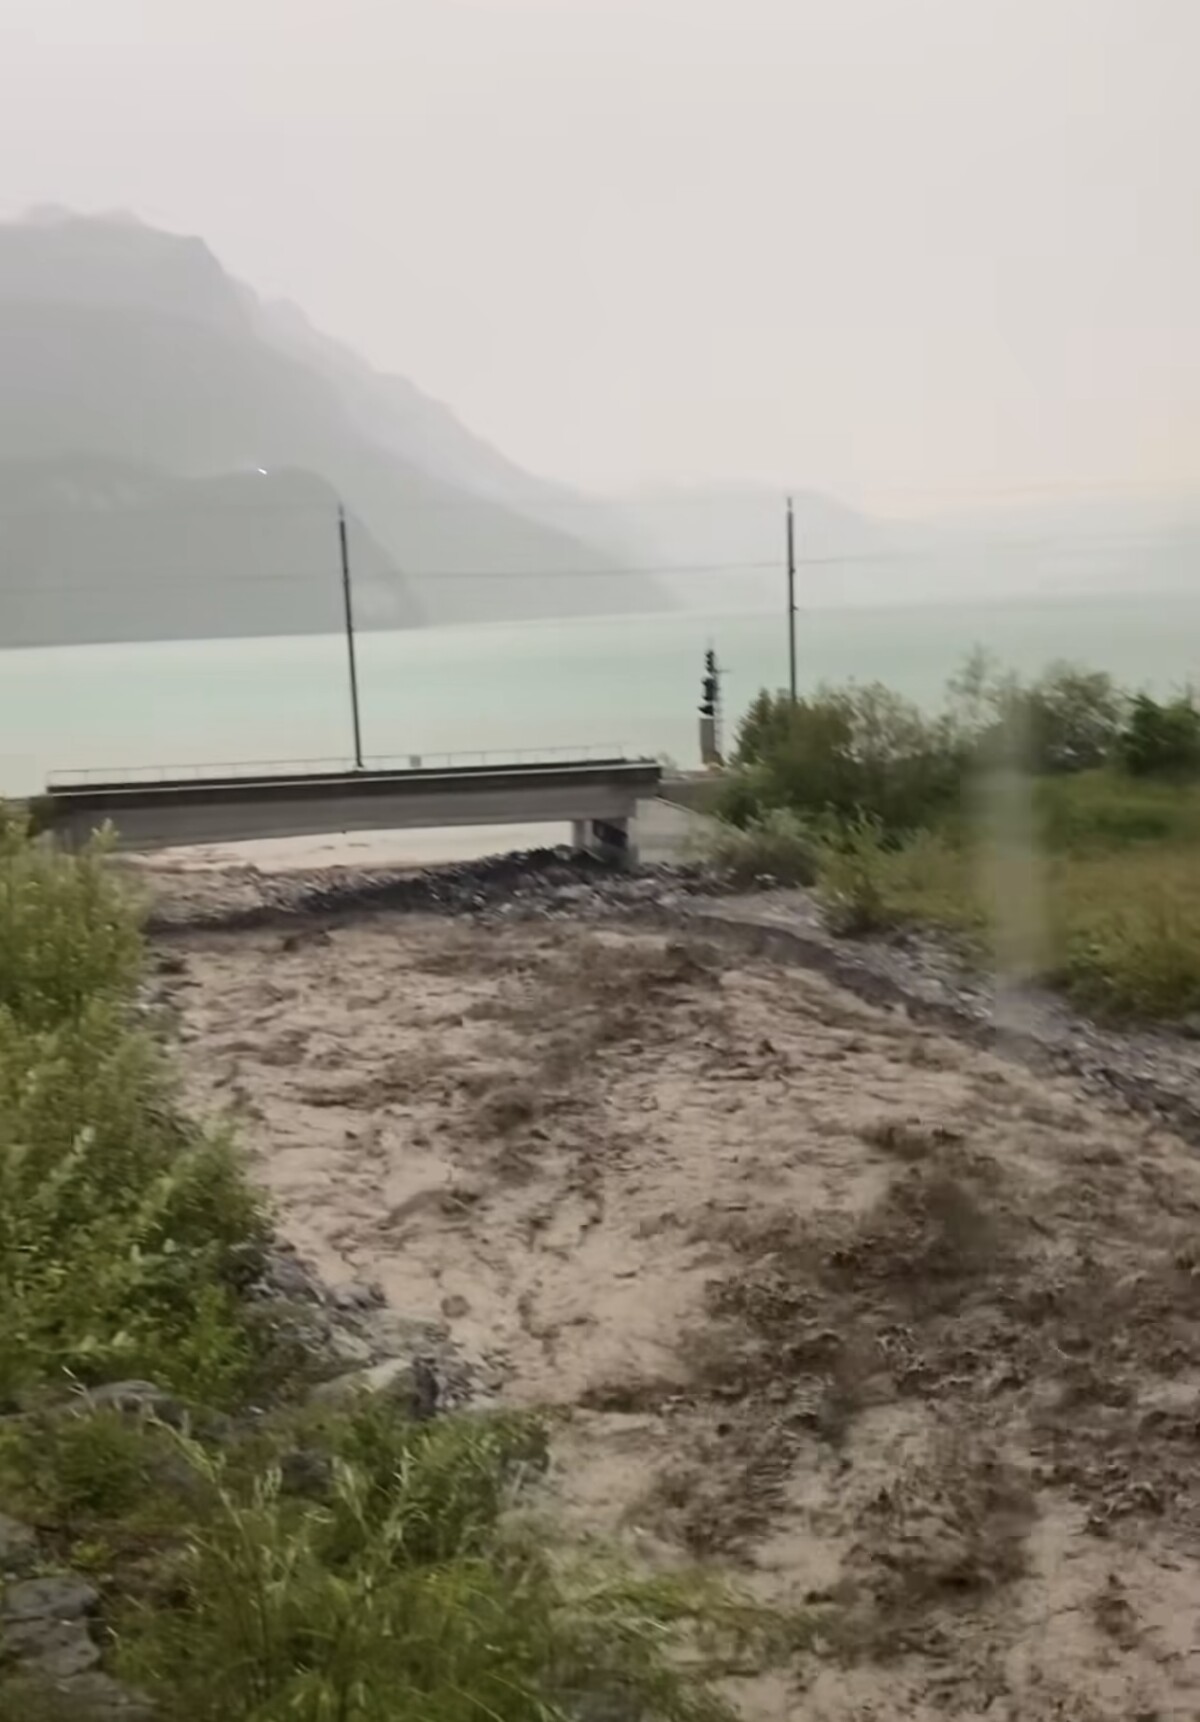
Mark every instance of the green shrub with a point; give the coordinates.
(847, 752)
(854, 873)
(742, 795)
(123, 1232)
(67, 937)
(396, 1597)
(1067, 720)
(772, 845)
(1099, 885)
(1073, 717)
(123, 1229)
(863, 751)
(1162, 740)
(82, 1468)
(763, 728)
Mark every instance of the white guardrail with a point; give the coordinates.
(96, 777)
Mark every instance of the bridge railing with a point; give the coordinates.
(100, 776)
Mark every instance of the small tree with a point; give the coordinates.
(846, 751)
(1161, 739)
(1067, 720)
(1074, 718)
(761, 729)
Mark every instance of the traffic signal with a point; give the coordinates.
(708, 704)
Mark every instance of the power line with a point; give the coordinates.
(199, 583)
(156, 582)
(543, 505)
(622, 572)
(1006, 546)
(618, 573)
(89, 513)
(1182, 489)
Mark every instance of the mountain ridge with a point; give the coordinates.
(119, 341)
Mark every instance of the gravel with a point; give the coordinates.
(534, 883)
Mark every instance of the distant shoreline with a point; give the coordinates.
(990, 603)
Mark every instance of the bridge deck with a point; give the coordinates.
(171, 811)
(365, 783)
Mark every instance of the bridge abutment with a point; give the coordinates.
(610, 839)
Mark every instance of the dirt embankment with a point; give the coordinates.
(902, 1336)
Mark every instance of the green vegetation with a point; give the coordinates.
(125, 1231)
(775, 842)
(1055, 825)
(398, 1578)
(297, 1563)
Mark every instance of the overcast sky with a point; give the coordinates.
(878, 246)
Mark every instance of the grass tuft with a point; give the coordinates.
(417, 1589)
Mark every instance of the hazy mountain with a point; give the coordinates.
(396, 415)
(1058, 548)
(172, 450)
(145, 393)
(727, 545)
(93, 547)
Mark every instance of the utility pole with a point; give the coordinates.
(348, 606)
(791, 597)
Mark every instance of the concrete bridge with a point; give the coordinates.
(598, 797)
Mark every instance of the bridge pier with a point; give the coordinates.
(609, 839)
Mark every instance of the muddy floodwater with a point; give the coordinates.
(885, 1328)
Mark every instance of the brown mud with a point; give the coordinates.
(900, 1335)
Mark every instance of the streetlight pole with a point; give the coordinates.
(348, 607)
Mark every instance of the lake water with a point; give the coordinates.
(619, 682)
